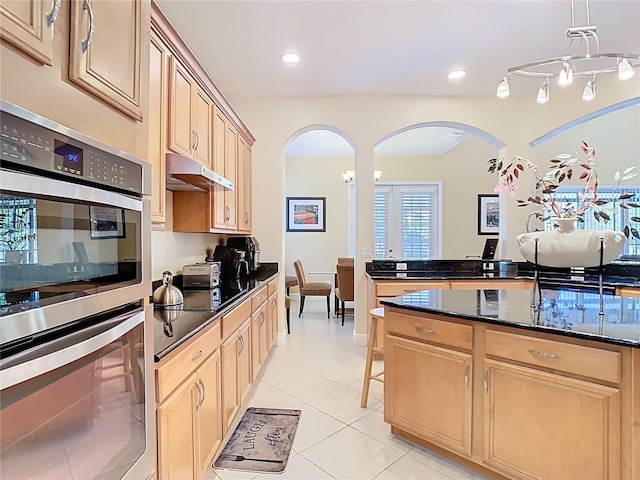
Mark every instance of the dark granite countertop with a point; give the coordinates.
(561, 311)
(172, 328)
(623, 274)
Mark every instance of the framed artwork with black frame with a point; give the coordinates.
(488, 214)
(106, 222)
(306, 214)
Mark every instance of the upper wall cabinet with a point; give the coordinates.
(244, 186)
(29, 25)
(159, 58)
(189, 116)
(106, 51)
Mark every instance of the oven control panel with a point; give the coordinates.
(33, 146)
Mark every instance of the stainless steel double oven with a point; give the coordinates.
(76, 353)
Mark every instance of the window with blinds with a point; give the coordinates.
(619, 216)
(406, 222)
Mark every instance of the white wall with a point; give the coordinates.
(318, 177)
(365, 121)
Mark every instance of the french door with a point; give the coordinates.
(407, 221)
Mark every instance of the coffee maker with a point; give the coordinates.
(233, 264)
(251, 249)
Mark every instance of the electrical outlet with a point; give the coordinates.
(367, 252)
(401, 266)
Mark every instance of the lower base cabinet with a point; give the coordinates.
(189, 424)
(440, 378)
(236, 372)
(543, 425)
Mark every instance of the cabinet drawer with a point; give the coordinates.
(430, 330)
(272, 286)
(258, 299)
(488, 284)
(170, 374)
(236, 317)
(577, 359)
(403, 288)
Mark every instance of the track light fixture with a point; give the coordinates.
(570, 67)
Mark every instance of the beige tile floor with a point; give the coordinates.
(319, 369)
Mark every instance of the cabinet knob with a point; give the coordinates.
(197, 356)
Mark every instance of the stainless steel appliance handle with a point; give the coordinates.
(78, 345)
(92, 26)
(52, 16)
(25, 184)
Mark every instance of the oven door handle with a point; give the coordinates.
(23, 184)
(67, 349)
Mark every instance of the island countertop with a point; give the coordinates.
(559, 311)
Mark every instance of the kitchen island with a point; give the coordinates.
(550, 391)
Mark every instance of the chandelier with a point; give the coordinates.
(570, 67)
(349, 176)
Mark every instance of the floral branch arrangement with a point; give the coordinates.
(565, 167)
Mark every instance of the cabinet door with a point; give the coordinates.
(202, 128)
(273, 319)
(265, 335)
(29, 25)
(182, 138)
(256, 361)
(176, 433)
(244, 361)
(230, 172)
(244, 186)
(208, 414)
(427, 392)
(219, 149)
(543, 425)
(106, 50)
(230, 397)
(158, 110)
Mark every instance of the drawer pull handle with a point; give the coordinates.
(241, 345)
(410, 290)
(204, 392)
(53, 15)
(92, 26)
(197, 356)
(199, 402)
(544, 354)
(425, 330)
(486, 380)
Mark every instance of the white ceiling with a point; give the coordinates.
(392, 47)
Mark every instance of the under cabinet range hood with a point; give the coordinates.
(186, 174)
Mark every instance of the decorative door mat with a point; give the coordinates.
(261, 442)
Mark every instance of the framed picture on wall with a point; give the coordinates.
(106, 222)
(488, 214)
(306, 214)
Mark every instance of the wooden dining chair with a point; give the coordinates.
(344, 289)
(319, 289)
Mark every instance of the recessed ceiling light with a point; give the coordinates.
(456, 74)
(290, 58)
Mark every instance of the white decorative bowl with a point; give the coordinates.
(577, 248)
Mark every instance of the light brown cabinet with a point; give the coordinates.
(225, 160)
(29, 26)
(189, 115)
(244, 186)
(159, 58)
(272, 317)
(189, 420)
(236, 372)
(106, 44)
(258, 340)
(513, 401)
(428, 391)
(531, 417)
